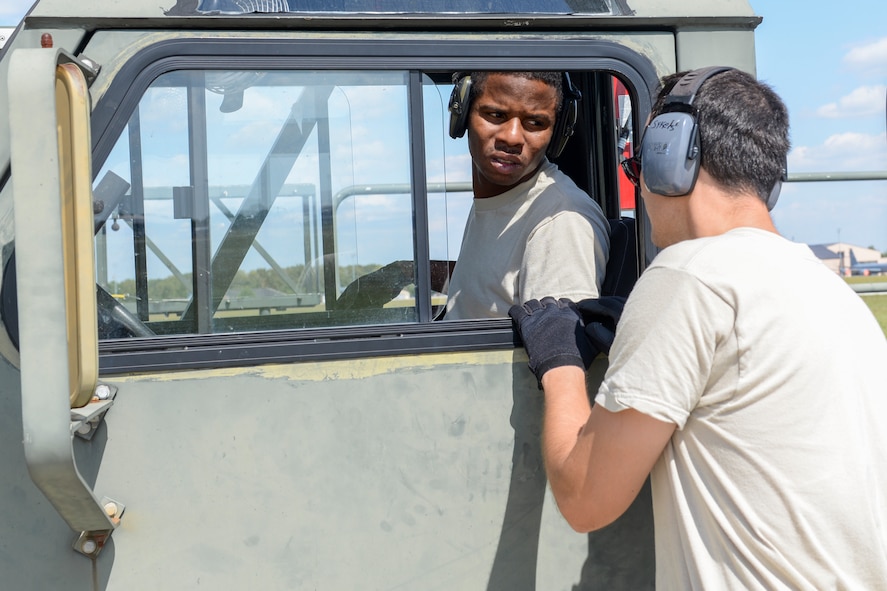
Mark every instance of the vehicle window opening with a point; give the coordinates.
(278, 199)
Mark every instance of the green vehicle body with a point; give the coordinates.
(389, 451)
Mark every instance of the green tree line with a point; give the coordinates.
(245, 282)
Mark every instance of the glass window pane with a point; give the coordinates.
(266, 194)
(448, 166)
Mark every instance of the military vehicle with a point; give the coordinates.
(187, 191)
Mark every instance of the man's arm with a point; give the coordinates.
(596, 460)
(583, 246)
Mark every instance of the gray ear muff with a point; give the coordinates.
(460, 105)
(670, 154)
(670, 149)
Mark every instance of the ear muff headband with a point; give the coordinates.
(564, 123)
(670, 148)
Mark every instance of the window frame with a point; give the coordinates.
(114, 108)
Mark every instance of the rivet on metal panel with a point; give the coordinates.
(89, 67)
(113, 509)
(90, 543)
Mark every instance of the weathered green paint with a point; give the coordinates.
(332, 476)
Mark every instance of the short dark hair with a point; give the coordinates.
(743, 130)
(553, 79)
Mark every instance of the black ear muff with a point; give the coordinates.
(670, 150)
(565, 123)
(460, 105)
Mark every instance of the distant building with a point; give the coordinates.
(832, 260)
(836, 255)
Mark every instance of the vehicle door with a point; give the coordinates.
(269, 429)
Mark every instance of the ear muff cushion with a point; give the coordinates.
(460, 105)
(670, 154)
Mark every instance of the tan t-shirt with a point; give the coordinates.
(544, 237)
(772, 369)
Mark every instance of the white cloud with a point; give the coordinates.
(862, 101)
(842, 152)
(166, 171)
(455, 168)
(871, 57)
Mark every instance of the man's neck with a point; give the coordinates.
(714, 211)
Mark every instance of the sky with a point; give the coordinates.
(829, 65)
(828, 61)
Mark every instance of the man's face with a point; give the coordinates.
(509, 128)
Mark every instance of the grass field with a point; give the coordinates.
(878, 305)
(877, 302)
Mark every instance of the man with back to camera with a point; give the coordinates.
(742, 375)
(525, 210)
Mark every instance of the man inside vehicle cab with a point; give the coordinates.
(531, 231)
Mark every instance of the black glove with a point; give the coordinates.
(553, 335)
(600, 317)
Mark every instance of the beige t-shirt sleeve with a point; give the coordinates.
(566, 257)
(664, 352)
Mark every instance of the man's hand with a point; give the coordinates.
(553, 335)
(600, 316)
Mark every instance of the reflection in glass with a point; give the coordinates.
(255, 199)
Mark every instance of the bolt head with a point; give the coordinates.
(89, 546)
